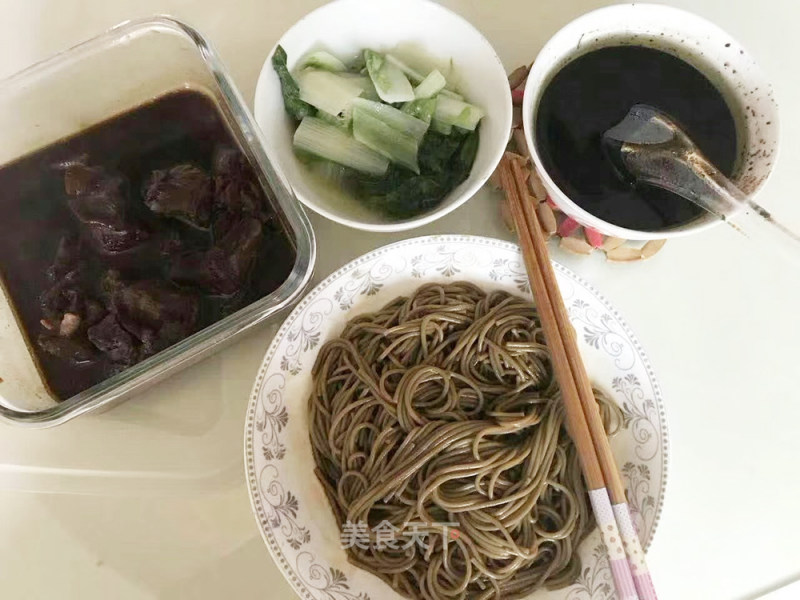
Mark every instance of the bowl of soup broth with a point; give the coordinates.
(589, 75)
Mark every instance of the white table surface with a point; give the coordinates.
(159, 507)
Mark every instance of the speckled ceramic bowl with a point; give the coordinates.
(697, 41)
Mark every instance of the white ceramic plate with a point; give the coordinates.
(290, 505)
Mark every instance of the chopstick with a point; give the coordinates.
(628, 567)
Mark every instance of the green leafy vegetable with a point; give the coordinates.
(436, 151)
(441, 127)
(398, 147)
(445, 162)
(458, 113)
(396, 119)
(342, 121)
(462, 166)
(431, 85)
(413, 196)
(325, 61)
(390, 82)
(421, 109)
(363, 129)
(296, 107)
(315, 136)
(368, 90)
(413, 75)
(331, 92)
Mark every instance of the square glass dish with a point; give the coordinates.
(106, 80)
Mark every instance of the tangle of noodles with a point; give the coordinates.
(443, 408)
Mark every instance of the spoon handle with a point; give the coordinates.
(691, 175)
(758, 224)
(745, 216)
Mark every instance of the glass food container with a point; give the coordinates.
(121, 69)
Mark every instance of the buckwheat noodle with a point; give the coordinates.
(443, 407)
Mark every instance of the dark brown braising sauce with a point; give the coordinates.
(130, 236)
(595, 92)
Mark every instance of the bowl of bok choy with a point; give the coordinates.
(384, 115)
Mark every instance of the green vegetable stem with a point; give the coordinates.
(291, 91)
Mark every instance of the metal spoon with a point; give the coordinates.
(649, 146)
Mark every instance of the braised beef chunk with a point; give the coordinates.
(74, 351)
(109, 283)
(146, 317)
(100, 209)
(121, 246)
(154, 342)
(223, 222)
(65, 295)
(64, 303)
(95, 194)
(67, 256)
(236, 189)
(227, 266)
(116, 241)
(132, 235)
(206, 269)
(183, 192)
(154, 307)
(170, 246)
(241, 245)
(98, 200)
(95, 312)
(81, 179)
(112, 340)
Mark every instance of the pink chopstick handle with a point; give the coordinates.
(633, 547)
(618, 561)
(620, 571)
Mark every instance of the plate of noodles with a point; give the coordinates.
(405, 434)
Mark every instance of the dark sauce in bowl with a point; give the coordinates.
(132, 235)
(595, 92)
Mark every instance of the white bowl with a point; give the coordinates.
(697, 41)
(419, 32)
